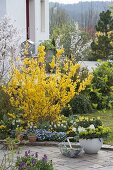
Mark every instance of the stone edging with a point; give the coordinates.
(48, 143)
(107, 147)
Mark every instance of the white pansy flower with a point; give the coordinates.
(91, 126)
(13, 123)
(18, 121)
(71, 121)
(74, 129)
(58, 125)
(81, 129)
(62, 125)
(54, 126)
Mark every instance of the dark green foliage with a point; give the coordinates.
(105, 23)
(67, 111)
(81, 104)
(5, 105)
(49, 45)
(50, 49)
(101, 91)
(103, 49)
(101, 46)
(5, 108)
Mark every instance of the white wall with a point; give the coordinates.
(2, 8)
(16, 9)
(41, 36)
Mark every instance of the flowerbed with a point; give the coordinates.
(30, 161)
(81, 127)
(44, 135)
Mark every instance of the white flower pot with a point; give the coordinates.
(91, 146)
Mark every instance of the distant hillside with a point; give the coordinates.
(85, 13)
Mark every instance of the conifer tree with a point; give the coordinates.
(102, 45)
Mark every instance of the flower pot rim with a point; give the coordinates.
(90, 138)
(31, 135)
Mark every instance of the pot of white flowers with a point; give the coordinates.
(91, 146)
(91, 134)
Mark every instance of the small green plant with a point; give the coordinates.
(20, 130)
(31, 134)
(11, 143)
(49, 45)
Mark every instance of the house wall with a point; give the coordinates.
(16, 9)
(17, 12)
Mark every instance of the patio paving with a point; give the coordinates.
(101, 161)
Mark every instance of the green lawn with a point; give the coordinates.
(107, 119)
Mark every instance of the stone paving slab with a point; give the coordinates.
(101, 161)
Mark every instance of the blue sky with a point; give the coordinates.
(73, 1)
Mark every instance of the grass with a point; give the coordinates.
(106, 117)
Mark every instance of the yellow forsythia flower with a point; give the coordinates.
(2, 127)
(41, 48)
(52, 64)
(11, 115)
(41, 54)
(40, 95)
(85, 82)
(98, 34)
(59, 52)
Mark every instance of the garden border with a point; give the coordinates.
(50, 143)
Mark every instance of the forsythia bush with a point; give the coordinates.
(42, 96)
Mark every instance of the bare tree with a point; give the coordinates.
(9, 47)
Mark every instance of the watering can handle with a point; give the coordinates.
(69, 141)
